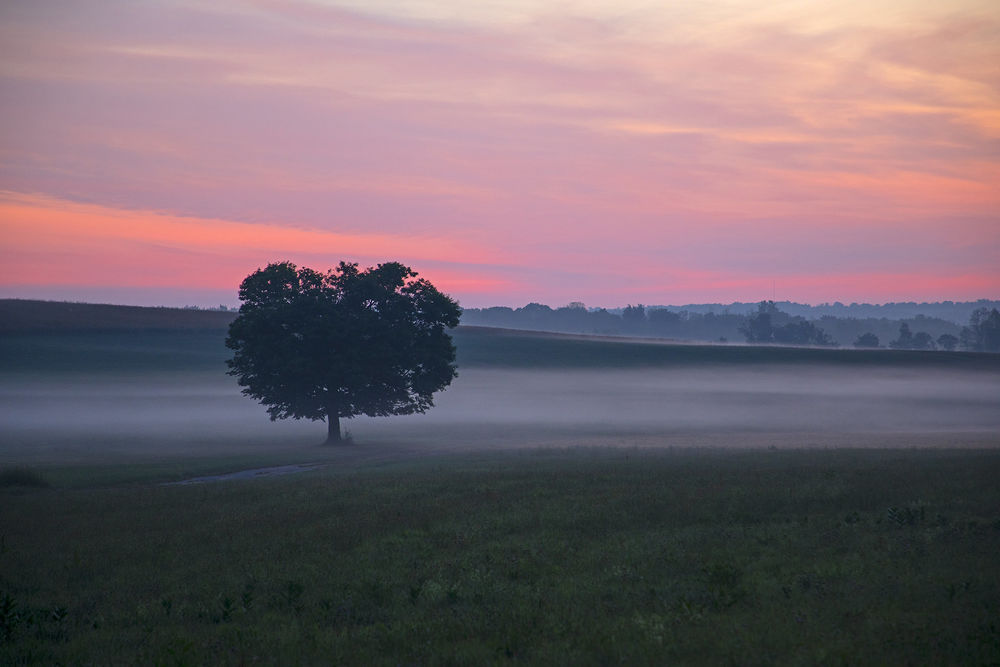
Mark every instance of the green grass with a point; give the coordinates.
(566, 557)
(151, 469)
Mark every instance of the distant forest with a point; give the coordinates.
(957, 312)
(945, 325)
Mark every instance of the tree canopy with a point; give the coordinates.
(348, 342)
(866, 340)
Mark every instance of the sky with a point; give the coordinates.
(608, 152)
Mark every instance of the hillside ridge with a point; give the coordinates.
(29, 315)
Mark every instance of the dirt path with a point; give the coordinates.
(255, 473)
(379, 452)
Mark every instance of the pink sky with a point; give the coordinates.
(610, 153)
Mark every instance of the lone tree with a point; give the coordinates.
(342, 343)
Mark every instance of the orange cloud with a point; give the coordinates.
(52, 241)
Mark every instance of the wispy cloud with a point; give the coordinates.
(100, 244)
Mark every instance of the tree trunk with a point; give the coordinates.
(332, 428)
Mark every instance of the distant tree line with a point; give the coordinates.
(907, 340)
(221, 307)
(956, 312)
(770, 325)
(767, 324)
(982, 334)
(634, 320)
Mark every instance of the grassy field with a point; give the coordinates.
(141, 351)
(548, 556)
(570, 500)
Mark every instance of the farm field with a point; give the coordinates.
(578, 556)
(569, 500)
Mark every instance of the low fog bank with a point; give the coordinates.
(768, 399)
(717, 406)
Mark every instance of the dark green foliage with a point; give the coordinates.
(663, 322)
(923, 341)
(907, 340)
(605, 556)
(10, 616)
(770, 325)
(801, 332)
(983, 332)
(866, 340)
(846, 330)
(759, 328)
(634, 319)
(947, 342)
(343, 343)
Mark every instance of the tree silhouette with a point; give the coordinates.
(905, 340)
(634, 318)
(866, 340)
(758, 328)
(947, 342)
(662, 322)
(342, 343)
(922, 341)
(764, 328)
(983, 332)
